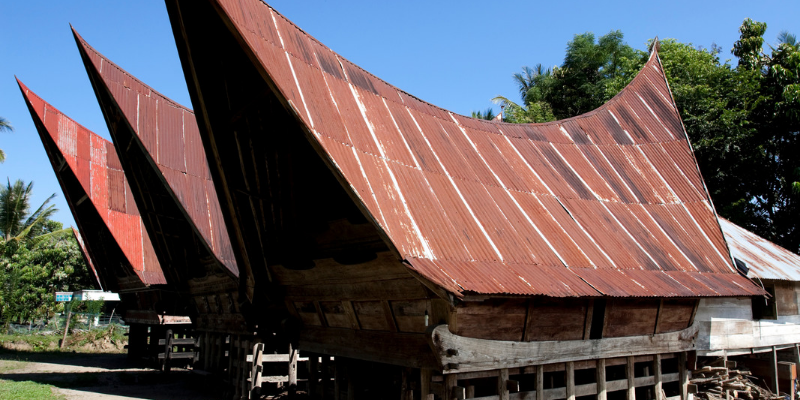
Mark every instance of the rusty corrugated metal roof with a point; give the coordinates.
(172, 140)
(79, 154)
(607, 203)
(764, 259)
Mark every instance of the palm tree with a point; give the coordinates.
(16, 221)
(487, 115)
(4, 126)
(788, 38)
(530, 78)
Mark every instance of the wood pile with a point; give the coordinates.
(717, 383)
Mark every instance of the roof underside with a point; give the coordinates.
(170, 138)
(607, 203)
(92, 161)
(764, 259)
(87, 257)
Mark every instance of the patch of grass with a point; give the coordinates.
(8, 365)
(36, 342)
(106, 338)
(26, 390)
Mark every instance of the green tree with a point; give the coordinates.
(743, 121)
(4, 126)
(487, 115)
(16, 220)
(31, 272)
(592, 73)
(534, 86)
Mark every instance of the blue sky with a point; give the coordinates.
(455, 54)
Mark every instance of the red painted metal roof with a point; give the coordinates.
(94, 163)
(87, 256)
(764, 259)
(607, 203)
(170, 135)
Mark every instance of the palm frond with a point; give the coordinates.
(55, 234)
(787, 38)
(5, 125)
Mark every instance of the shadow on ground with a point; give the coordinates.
(88, 376)
(67, 358)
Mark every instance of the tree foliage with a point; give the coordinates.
(743, 121)
(37, 258)
(30, 274)
(487, 115)
(16, 220)
(4, 126)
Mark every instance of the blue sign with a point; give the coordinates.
(62, 297)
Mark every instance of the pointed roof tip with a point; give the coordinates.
(82, 44)
(22, 87)
(655, 46)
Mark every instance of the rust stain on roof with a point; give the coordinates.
(607, 203)
(764, 259)
(171, 137)
(92, 161)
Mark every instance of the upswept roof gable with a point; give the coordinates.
(607, 203)
(94, 162)
(171, 138)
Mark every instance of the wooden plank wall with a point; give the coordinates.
(542, 319)
(727, 324)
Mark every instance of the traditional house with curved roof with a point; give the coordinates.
(477, 249)
(113, 237)
(159, 147)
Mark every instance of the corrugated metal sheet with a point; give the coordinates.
(88, 157)
(606, 203)
(170, 135)
(765, 259)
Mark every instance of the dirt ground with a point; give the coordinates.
(105, 376)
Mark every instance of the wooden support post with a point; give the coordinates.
(205, 350)
(470, 391)
(244, 372)
(404, 384)
(570, 380)
(232, 349)
(66, 326)
(257, 368)
(351, 384)
(796, 352)
(775, 370)
(167, 351)
(683, 376)
(212, 353)
(657, 376)
(325, 376)
(601, 379)
(459, 392)
(450, 383)
(540, 383)
(313, 376)
(292, 383)
(629, 373)
(502, 384)
(337, 377)
(424, 383)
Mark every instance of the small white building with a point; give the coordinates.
(758, 331)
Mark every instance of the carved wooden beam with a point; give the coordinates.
(462, 354)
